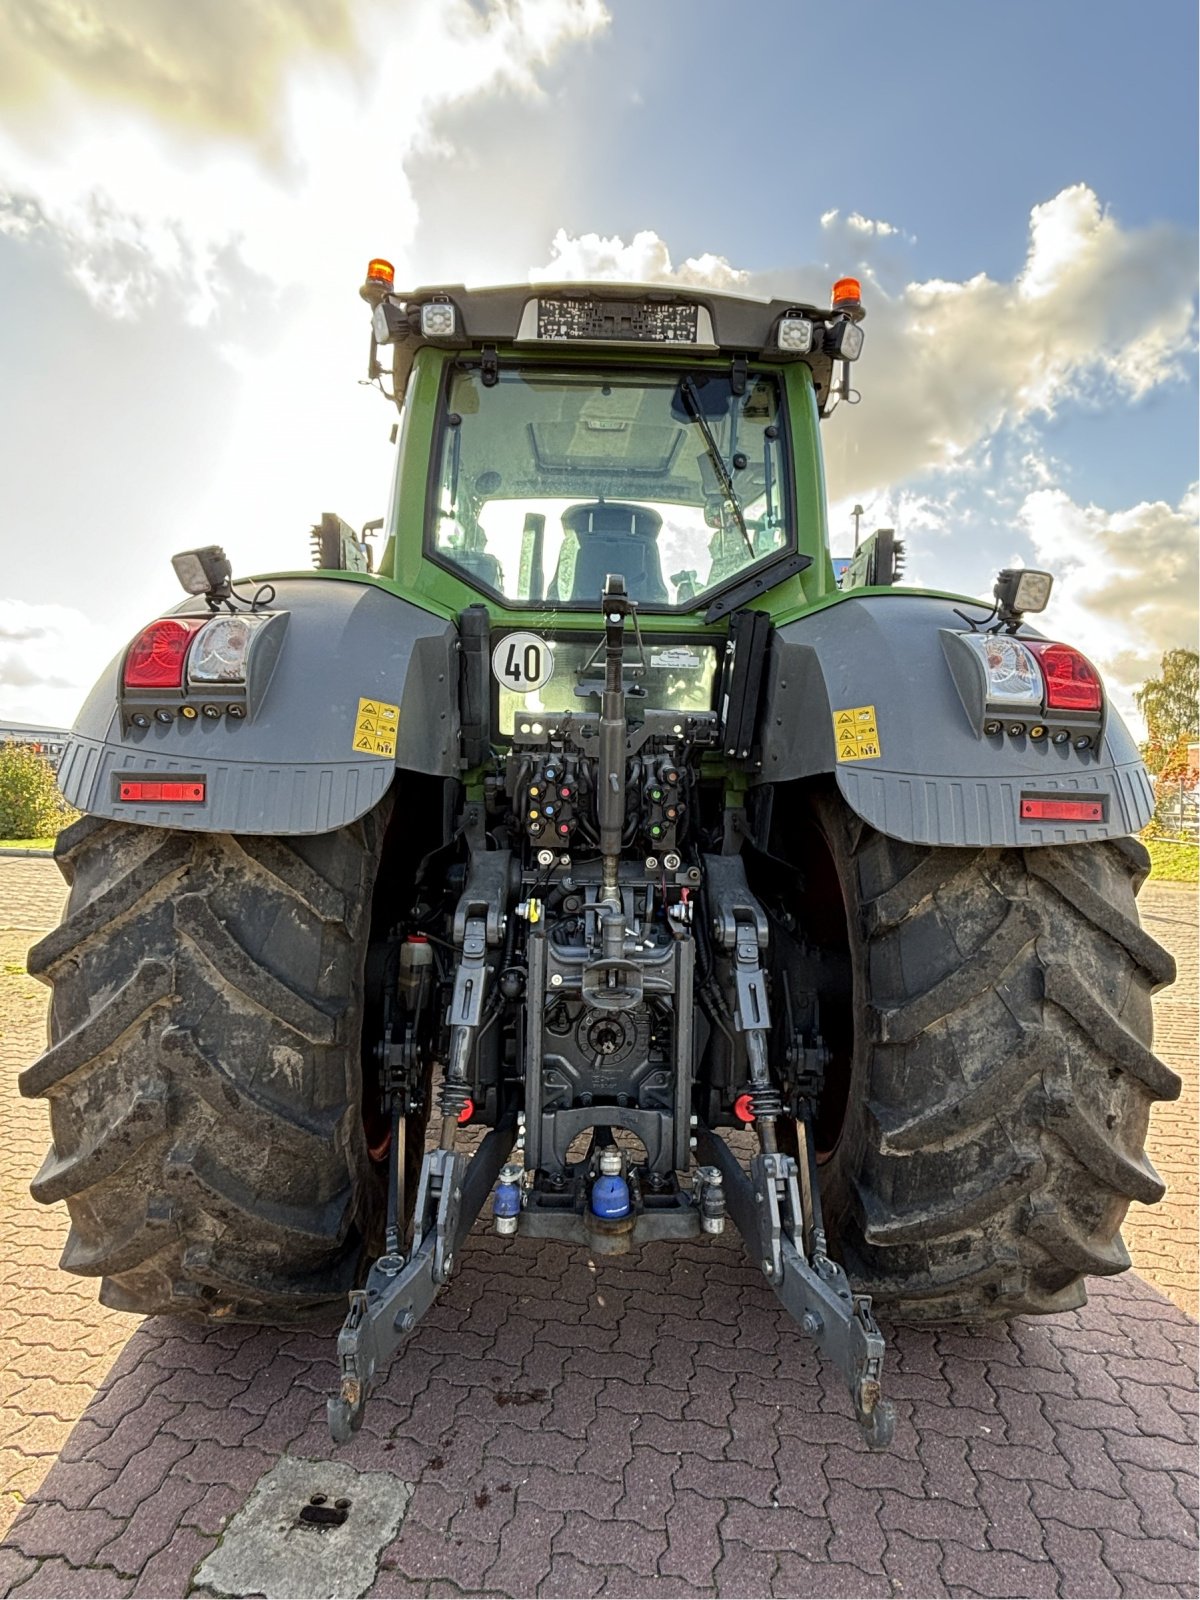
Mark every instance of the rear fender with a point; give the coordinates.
(296, 763)
(937, 779)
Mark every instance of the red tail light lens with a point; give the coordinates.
(1072, 682)
(156, 657)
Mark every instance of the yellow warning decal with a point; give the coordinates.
(855, 734)
(375, 728)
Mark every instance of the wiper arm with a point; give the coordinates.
(692, 400)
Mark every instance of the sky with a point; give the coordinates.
(189, 195)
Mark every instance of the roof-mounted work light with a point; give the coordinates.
(795, 333)
(844, 341)
(206, 571)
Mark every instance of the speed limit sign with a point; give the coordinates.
(523, 662)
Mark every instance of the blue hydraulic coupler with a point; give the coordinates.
(506, 1207)
(610, 1192)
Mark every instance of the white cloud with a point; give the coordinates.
(134, 145)
(1125, 581)
(590, 258)
(50, 655)
(1095, 308)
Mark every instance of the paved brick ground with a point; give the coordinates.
(650, 1427)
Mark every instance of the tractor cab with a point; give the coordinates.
(575, 431)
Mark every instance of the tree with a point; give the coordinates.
(31, 806)
(1171, 706)
(1177, 779)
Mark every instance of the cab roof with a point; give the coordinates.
(593, 317)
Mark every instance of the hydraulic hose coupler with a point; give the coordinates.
(506, 1207)
(710, 1198)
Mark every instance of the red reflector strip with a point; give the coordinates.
(190, 790)
(1062, 810)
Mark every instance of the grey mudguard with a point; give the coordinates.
(291, 767)
(936, 780)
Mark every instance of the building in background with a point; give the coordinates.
(48, 742)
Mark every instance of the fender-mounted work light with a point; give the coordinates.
(1021, 589)
(206, 571)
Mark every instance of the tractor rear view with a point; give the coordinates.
(594, 859)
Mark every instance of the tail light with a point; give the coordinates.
(1072, 683)
(155, 659)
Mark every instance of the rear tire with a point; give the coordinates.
(204, 1072)
(1001, 1078)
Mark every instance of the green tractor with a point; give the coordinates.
(595, 853)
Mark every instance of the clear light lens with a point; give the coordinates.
(437, 320)
(1033, 591)
(1010, 671)
(222, 648)
(845, 341)
(189, 569)
(795, 335)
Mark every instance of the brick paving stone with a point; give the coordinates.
(744, 1574)
(796, 1577)
(46, 1529)
(525, 1557)
(76, 1483)
(999, 1574)
(14, 1568)
(1078, 1556)
(778, 1529)
(647, 1487)
(571, 1578)
(57, 1577)
(1012, 1523)
(144, 1474)
(913, 1565)
(152, 1526)
(936, 1520)
(591, 1540)
(168, 1575)
(1141, 1561)
(694, 1547)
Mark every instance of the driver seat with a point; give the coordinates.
(611, 538)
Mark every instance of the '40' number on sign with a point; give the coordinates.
(523, 662)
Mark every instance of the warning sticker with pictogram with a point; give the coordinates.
(855, 734)
(375, 728)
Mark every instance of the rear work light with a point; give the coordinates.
(1034, 809)
(155, 659)
(178, 791)
(1072, 683)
